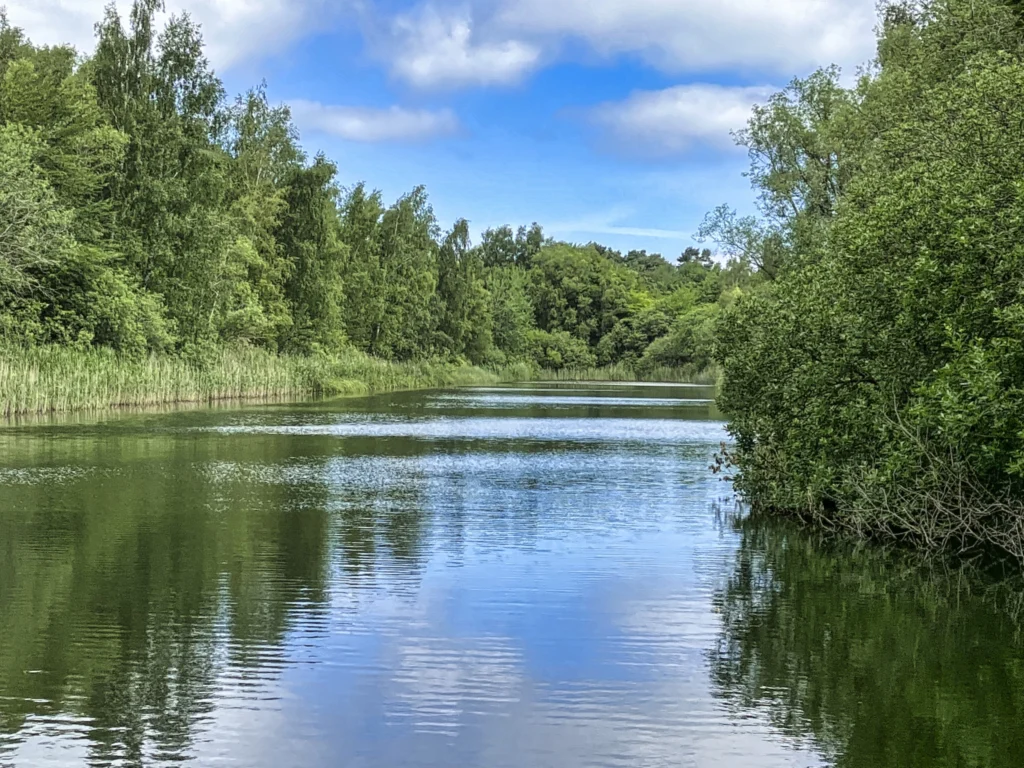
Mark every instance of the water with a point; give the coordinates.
(533, 576)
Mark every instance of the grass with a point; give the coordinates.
(56, 379)
(59, 379)
(624, 373)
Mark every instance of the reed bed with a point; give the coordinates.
(59, 379)
(625, 373)
(56, 379)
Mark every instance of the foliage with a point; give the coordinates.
(884, 361)
(501, 248)
(579, 291)
(148, 214)
(511, 310)
(559, 349)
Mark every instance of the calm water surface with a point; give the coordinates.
(528, 577)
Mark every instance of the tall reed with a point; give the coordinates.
(52, 379)
(60, 379)
(625, 373)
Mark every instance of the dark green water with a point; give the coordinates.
(544, 576)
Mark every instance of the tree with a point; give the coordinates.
(404, 324)
(501, 248)
(511, 310)
(310, 241)
(263, 144)
(557, 350)
(874, 385)
(169, 194)
(36, 231)
(579, 291)
(464, 313)
(364, 308)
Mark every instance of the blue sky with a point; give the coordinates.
(604, 120)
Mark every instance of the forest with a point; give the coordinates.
(150, 217)
(875, 381)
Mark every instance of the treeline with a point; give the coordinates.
(875, 383)
(144, 212)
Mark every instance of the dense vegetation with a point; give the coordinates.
(875, 383)
(147, 214)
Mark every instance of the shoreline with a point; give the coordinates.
(55, 380)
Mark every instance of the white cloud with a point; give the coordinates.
(449, 43)
(675, 119)
(487, 42)
(366, 124)
(432, 50)
(787, 36)
(235, 30)
(53, 22)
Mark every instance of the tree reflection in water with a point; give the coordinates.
(881, 660)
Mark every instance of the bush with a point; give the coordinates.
(875, 386)
(689, 343)
(558, 350)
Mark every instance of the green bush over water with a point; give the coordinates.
(875, 383)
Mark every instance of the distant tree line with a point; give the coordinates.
(144, 211)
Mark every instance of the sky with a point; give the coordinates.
(603, 120)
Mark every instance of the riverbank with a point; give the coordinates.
(709, 375)
(60, 380)
(54, 380)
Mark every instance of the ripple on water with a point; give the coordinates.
(407, 586)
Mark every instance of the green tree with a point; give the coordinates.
(875, 384)
(36, 233)
(577, 290)
(169, 194)
(404, 326)
(502, 248)
(559, 349)
(309, 237)
(464, 325)
(364, 307)
(511, 310)
(263, 144)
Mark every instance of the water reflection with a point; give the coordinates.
(501, 578)
(118, 583)
(879, 660)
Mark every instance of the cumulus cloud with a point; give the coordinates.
(235, 30)
(366, 124)
(453, 43)
(785, 36)
(435, 50)
(488, 42)
(676, 119)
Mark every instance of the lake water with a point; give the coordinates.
(523, 576)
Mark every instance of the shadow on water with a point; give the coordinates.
(880, 659)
